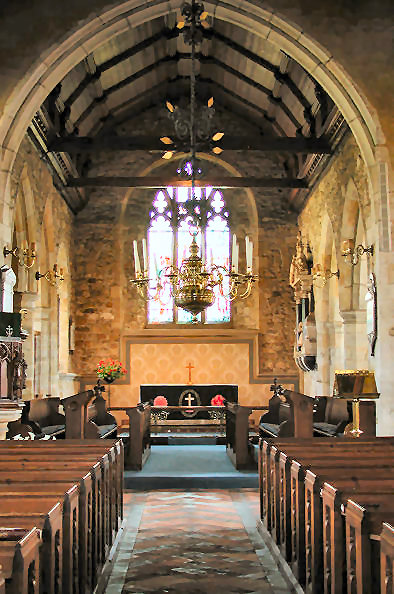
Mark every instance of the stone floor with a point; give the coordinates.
(200, 541)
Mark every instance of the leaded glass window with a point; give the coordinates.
(169, 239)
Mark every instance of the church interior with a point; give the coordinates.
(196, 309)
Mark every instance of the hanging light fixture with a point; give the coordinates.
(192, 284)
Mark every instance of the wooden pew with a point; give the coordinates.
(114, 449)
(334, 500)
(20, 560)
(106, 522)
(12, 506)
(294, 416)
(75, 408)
(138, 448)
(363, 527)
(103, 487)
(237, 434)
(386, 559)
(50, 522)
(45, 413)
(287, 522)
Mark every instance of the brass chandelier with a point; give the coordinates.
(192, 284)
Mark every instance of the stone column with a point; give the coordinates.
(7, 283)
(27, 302)
(10, 410)
(355, 339)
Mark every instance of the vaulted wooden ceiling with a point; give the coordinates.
(145, 66)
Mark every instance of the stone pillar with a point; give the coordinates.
(10, 410)
(27, 302)
(45, 364)
(355, 339)
(7, 283)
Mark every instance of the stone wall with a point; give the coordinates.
(107, 308)
(41, 216)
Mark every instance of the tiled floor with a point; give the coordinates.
(193, 542)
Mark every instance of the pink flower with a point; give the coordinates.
(160, 401)
(217, 400)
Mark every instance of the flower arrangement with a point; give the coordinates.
(160, 401)
(217, 400)
(110, 368)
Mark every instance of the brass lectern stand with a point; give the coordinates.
(360, 387)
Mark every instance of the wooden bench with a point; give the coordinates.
(294, 415)
(331, 417)
(284, 497)
(335, 503)
(138, 443)
(20, 560)
(33, 515)
(102, 480)
(239, 447)
(386, 559)
(99, 499)
(16, 505)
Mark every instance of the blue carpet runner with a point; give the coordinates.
(189, 467)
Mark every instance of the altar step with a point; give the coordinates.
(175, 439)
(189, 467)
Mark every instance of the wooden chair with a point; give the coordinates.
(336, 417)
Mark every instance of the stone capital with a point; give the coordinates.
(355, 316)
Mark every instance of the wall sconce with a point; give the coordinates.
(322, 276)
(26, 255)
(353, 254)
(52, 276)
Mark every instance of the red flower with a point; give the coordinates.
(160, 401)
(217, 400)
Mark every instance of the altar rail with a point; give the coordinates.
(237, 431)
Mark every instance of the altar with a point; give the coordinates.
(189, 396)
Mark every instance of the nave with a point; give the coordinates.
(200, 538)
(192, 541)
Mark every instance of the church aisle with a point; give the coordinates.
(194, 542)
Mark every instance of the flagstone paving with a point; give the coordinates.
(193, 542)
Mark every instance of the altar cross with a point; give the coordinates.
(190, 398)
(190, 367)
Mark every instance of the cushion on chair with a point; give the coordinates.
(106, 429)
(52, 429)
(326, 428)
(269, 428)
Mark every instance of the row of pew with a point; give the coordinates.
(85, 416)
(328, 505)
(61, 505)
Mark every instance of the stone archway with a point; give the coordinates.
(265, 23)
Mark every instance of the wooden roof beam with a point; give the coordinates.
(153, 143)
(163, 181)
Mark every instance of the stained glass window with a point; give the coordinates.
(169, 239)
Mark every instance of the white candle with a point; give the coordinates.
(247, 252)
(233, 252)
(203, 251)
(137, 265)
(236, 258)
(144, 255)
(251, 255)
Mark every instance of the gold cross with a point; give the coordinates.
(190, 367)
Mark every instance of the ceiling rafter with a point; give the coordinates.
(185, 56)
(162, 182)
(127, 54)
(283, 78)
(228, 143)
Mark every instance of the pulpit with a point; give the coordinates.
(12, 363)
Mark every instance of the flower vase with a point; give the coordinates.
(109, 379)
